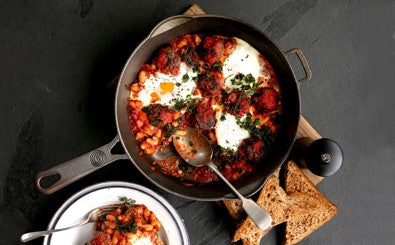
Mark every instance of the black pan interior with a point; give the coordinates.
(290, 102)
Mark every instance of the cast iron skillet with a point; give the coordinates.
(163, 33)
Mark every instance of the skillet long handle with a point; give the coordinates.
(70, 171)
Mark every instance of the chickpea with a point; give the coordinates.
(142, 76)
(153, 141)
(175, 124)
(140, 135)
(159, 133)
(152, 217)
(146, 213)
(109, 231)
(110, 217)
(135, 87)
(182, 43)
(180, 133)
(197, 39)
(139, 123)
(149, 151)
(147, 227)
(114, 239)
(176, 115)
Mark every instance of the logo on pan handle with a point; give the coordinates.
(98, 158)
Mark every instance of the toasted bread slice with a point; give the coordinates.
(255, 239)
(273, 199)
(308, 208)
(296, 181)
(234, 208)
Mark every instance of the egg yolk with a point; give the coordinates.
(166, 87)
(154, 97)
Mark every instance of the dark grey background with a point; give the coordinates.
(56, 58)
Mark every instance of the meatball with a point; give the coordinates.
(168, 61)
(160, 115)
(237, 103)
(205, 115)
(215, 49)
(208, 84)
(266, 100)
(252, 149)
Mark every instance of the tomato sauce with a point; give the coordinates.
(254, 102)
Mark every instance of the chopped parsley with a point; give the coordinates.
(125, 228)
(185, 78)
(249, 78)
(263, 133)
(187, 57)
(222, 118)
(145, 109)
(156, 121)
(217, 66)
(246, 82)
(181, 103)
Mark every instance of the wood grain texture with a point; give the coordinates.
(194, 10)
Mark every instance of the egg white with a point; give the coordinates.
(137, 239)
(229, 134)
(182, 90)
(244, 59)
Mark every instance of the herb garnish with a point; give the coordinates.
(156, 121)
(125, 228)
(217, 66)
(246, 82)
(263, 133)
(180, 104)
(185, 78)
(127, 202)
(187, 57)
(145, 109)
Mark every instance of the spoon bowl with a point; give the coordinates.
(194, 148)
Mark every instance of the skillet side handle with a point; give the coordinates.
(71, 171)
(169, 24)
(304, 62)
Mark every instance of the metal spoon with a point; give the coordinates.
(91, 217)
(195, 149)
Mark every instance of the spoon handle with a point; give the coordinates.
(257, 214)
(215, 169)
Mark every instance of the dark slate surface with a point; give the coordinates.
(58, 56)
